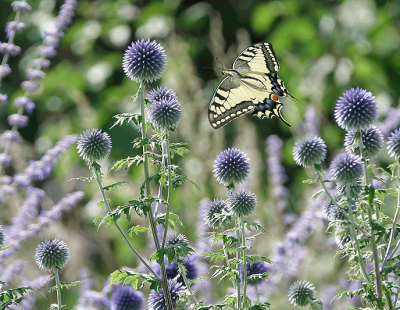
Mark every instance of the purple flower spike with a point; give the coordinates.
(21, 6)
(29, 86)
(17, 120)
(13, 136)
(35, 74)
(9, 48)
(5, 160)
(22, 180)
(46, 51)
(41, 63)
(144, 61)
(4, 70)
(3, 98)
(21, 101)
(13, 27)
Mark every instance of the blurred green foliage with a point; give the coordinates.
(324, 48)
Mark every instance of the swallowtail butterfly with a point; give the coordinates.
(252, 86)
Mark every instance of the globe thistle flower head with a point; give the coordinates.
(301, 293)
(309, 151)
(393, 144)
(347, 169)
(175, 239)
(331, 212)
(231, 166)
(372, 140)
(126, 298)
(258, 268)
(156, 94)
(144, 61)
(1, 235)
(172, 270)
(214, 208)
(157, 300)
(242, 202)
(355, 190)
(51, 254)
(93, 145)
(342, 236)
(165, 113)
(356, 109)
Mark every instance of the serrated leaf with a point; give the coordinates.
(127, 118)
(127, 162)
(136, 230)
(316, 195)
(310, 181)
(115, 185)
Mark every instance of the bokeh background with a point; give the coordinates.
(324, 48)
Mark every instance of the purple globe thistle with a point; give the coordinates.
(258, 268)
(356, 109)
(51, 254)
(18, 120)
(301, 293)
(214, 208)
(355, 190)
(231, 166)
(310, 151)
(156, 94)
(173, 270)
(5, 160)
(331, 212)
(126, 298)
(13, 136)
(347, 169)
(372, 139)
(242, 202)
(342, 236)
(1, 235)
(175, 239)
(165, 113)
(157, 300)
(393, 144)
(144, 61)
(94, 145)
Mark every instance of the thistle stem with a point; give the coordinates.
(120, 229)
(164, 281)
(244, 261)
(354, 236)
(227, 262)
(58, 288)
(185, 280)
(371, 191)
(238, 259)
(168, 155)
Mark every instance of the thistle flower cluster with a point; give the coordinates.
(231, 166)
(301, 293)
(372, 140)
(310, 151)
(393, 144)
(213, 209)
(242, 203)
(51, 254)
(347, 169)
(157, 300)
(94, 145)
(165, 112)
(126, 298)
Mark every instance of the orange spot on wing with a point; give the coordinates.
(274, 97)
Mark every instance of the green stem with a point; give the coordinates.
(168, 155)
(389, 300)
(185, 280)
(227, 262)
(238, 296)
(244, 261)
(164, 281)
(257, 294)
(319, 177)
(354, 236)
(371, 190)
(119, 228)
(58, 286)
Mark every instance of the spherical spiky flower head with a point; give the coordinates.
(172, 269)
(144, 61)
(347, 169)
(51, 254)
(309, 151)
(156, 94)
(331, 212)
(301, 293)
(231, 166)
(355, 190)
(342, 236)
(372, 139)
(393, 144)
(157, 300)
(126, 298)
(214, 208)
(165, 113)
(356, 109)
(258, 268)
(242, 202)
(1, 235)
(94, 145)
(175, 239)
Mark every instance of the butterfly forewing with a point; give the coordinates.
(229, 102)
(259, 57)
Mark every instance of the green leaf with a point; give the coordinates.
(127, 162)
(135, 279)
(84, 179)
(65, 285)
(263, 306)
(115, 185)
(310, 181)
(172, 220)
(127, 118)
(136, 230)
(316, 195)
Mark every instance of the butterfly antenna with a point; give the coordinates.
(294, 98)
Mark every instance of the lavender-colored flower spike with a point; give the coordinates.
(9, 48)
(393, 144)
(356, 109)
(17, 120)
(156, 94)
(4, 70)
(372, 140)
(144, 61)
(15, 269)
(21, 6)
(5, 160)
(13, 27)
(12, 136)
(309, 151)
(231, 166)
(3, 98)
(29, 86)
(311, 121)
(94, 145)
(157, 300)
(242, 203)
(125, 297)
(51, 254)
(1, 235)
(34, 74)
(165, 114)
(347, 169)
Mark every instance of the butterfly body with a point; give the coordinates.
(252, 86)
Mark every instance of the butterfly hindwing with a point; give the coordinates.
(229, 102)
